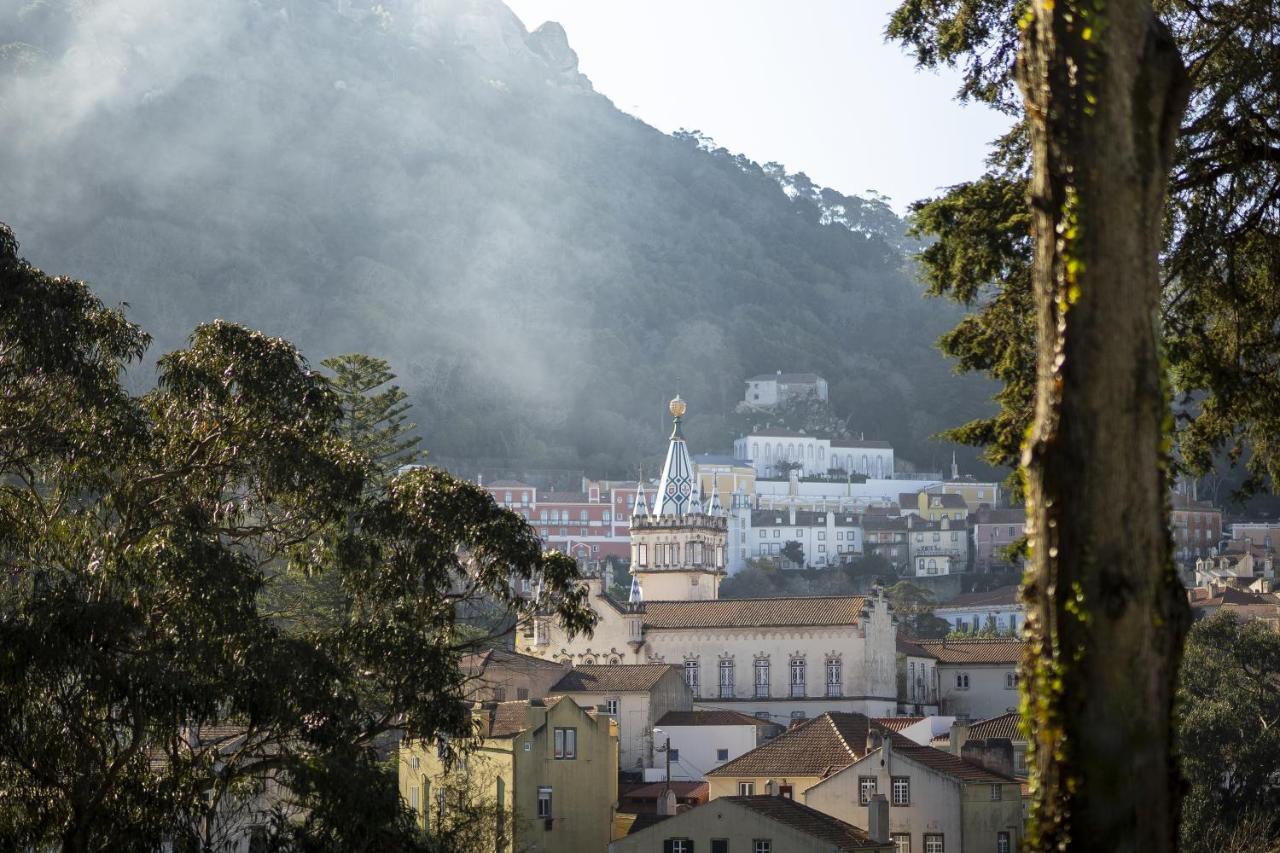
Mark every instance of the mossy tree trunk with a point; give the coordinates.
(1105, 90)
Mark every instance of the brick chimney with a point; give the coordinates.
(878, 818)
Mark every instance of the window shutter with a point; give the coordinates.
(688, 845)
(668, 845)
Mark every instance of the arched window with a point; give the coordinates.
(755, 450)
(726, 679)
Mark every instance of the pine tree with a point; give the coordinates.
(374, 418)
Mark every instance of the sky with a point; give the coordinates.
(808, 83)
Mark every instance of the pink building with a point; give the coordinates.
(993, 531)
(591, 525)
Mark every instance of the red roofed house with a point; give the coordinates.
(977, 678)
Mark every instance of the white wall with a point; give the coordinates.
(699, 747)
(988, 694)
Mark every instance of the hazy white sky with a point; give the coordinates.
(809, 83)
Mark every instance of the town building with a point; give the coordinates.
(1261, 604)
(758, 824)
(937, 547)
(545, 774)
(933, 506)
(995, 730)
(775, 452)
(801, 757)
(1237, 568)
(997, 609)
(636, 695)
(976, 495)
(977, 678)
(994, 531)
(826, 538)
(590, 525)
(769, 389)
(917, 679)
(1197, 527)
(1261, 534)
(887, 537)
(783, 657)
(937, 801)
(701, 741)
(499, 675)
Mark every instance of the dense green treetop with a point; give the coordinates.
(144, 541)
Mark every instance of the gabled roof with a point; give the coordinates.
(683, 791)
(755, 612)
(911, 648)
(505, 719)
(990, 598)
(711, 718)
(952, 765)
(1005, 725)
(843, 837)
(477, 662)
(817, 747)
(896, 724)
(1016, 516)
(994, 650)
(616, 678)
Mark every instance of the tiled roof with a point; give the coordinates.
(839, 835)
(684, 791)
(912, 648)
(990, 598)
(887, 522)
(507, 484)
(476, 662)
(506, 719)
(711, 718)
(1005, 725)
(952, 765)
(755, 612)
(997, 650)
(625, 823)
(896, 724)
(817, 747)
(618, 678)
(563, 498)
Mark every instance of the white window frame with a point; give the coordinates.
(900, 786)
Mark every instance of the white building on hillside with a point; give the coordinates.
(770, 389)
(768, 450)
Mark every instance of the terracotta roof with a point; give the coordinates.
(507, 484)
(952, 765)
(755, 612)
(1003, 595)
(684, 791)
(817, 747)
(912, 648)
(896, 724)
(626, 823)
(997, 650)
(839, 835)
(476, 662)
(941, 741)
(711, 718)
(887, 522)
(1005, 725)
(618, 678)
(506, 719)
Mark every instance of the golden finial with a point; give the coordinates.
(677, 407)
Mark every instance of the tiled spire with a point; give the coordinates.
(675, 488)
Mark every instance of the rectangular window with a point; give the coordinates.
(901, 842)
(962, 681)
(677, 845)
(611, 707)
(763, 534)
(997, 792)
(763, 845)
(777, 534)
(719, 845)
(901, 786)
(762, 679)
(544, 801)
(691, 676)
(1003, 844)
(746, 789)
(797, 677)
(566, 744)
(722, 755)
(822, 534)
(866, 789)
(522, 693)
(726, 679)
(414, 801)
(1011, 681)
(834, 676)
(933, 843)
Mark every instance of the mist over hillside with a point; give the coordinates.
(427, 181)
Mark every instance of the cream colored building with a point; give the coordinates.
(785, 658)
(937, 801)
(544, 777)
(702, 741)
(978, 678)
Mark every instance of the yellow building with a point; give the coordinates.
(725, 475)
(934, 506)
(545, 777)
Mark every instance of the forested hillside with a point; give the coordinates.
(428, 182)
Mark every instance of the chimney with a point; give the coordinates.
(878, 819)
(994, 754)
(874, 738)
(959, 736)
(667, 802)
(886, 753)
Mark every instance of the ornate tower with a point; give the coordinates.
(677, 553)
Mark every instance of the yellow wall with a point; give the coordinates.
(727, 786)
(584, 789)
